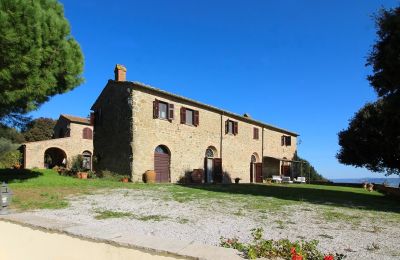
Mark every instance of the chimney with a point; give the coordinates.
(120, 72)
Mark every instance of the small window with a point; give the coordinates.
(255, 133)
(162, 110)
(286, 140)
(87, 133)
(189, 116)
(231, 127)
(209, 153)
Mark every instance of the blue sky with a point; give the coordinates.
(299, 65)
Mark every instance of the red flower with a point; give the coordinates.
(293, 250)
(297, 257)
(328, 257)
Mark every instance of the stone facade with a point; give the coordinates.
(126, 139)
(68, 142)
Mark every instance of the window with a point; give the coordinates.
(189, 116)
(231, 127)
(209, 153)
(87, 133)
(286, 140)
(255, 133)
(163, 110)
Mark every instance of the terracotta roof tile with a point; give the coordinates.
(76, 119)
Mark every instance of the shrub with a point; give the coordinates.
(109, 175)
(10, 159)
(77, 163)
(283, 248)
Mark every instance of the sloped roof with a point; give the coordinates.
(76, 119)
(139, 85)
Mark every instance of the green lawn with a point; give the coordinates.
(39, 189)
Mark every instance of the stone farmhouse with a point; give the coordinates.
(138, 128)
(72, 136)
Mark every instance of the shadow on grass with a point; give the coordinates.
(338, 196)
(12, 176)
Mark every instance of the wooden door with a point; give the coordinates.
(258, 168)
(161, 166)
(217, 170)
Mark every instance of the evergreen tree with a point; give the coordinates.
(38, 56)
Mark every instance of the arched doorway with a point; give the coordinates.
(162, 161)
(87, 160)
(255, 169)
(212, 166)
(54, 157)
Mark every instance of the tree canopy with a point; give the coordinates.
(372, 139)
(38, 56)
(39, 129)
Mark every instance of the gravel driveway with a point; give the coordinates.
(359, 235)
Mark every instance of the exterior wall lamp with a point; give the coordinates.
(5, 198)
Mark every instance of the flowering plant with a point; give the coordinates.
(295, 255)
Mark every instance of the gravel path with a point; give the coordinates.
(357, 235)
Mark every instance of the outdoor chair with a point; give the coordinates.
(286, 179)
(276, 178)
(300, 180)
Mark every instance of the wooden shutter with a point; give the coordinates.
(183, 115)
(170, 111)
(155, 108)
(235, 128)
(196, 118)
(283, 140)
(226, 126)
(255, 133)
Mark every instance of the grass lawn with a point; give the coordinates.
(45, 189)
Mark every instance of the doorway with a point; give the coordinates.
(162, 161)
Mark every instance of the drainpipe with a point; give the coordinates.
(221, 136)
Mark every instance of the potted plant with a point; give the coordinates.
(237, 180)
(125, 178)
(77, 166)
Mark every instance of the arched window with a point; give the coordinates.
(161, 149)
(253, 159)
(209, 153)
(87, 133)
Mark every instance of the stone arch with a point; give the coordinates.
(255, 158)
(54, 156)
(211, 152)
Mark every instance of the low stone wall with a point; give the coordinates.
(389, 191)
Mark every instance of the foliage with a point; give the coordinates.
(6, 145)
(12, 134)
(308, 170)
(106, 214)
(10, 159)
(39, 57)
(77, 163)
(109, 175)
(372, 139)
(39, 129)
(284, 248)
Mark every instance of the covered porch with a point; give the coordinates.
(283, 167)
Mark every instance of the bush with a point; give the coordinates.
(109, 175)
(77, 163)
(10, 159)
(283, 248)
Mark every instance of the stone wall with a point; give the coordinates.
(113, 135)
(188, 144)
(34, 151)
